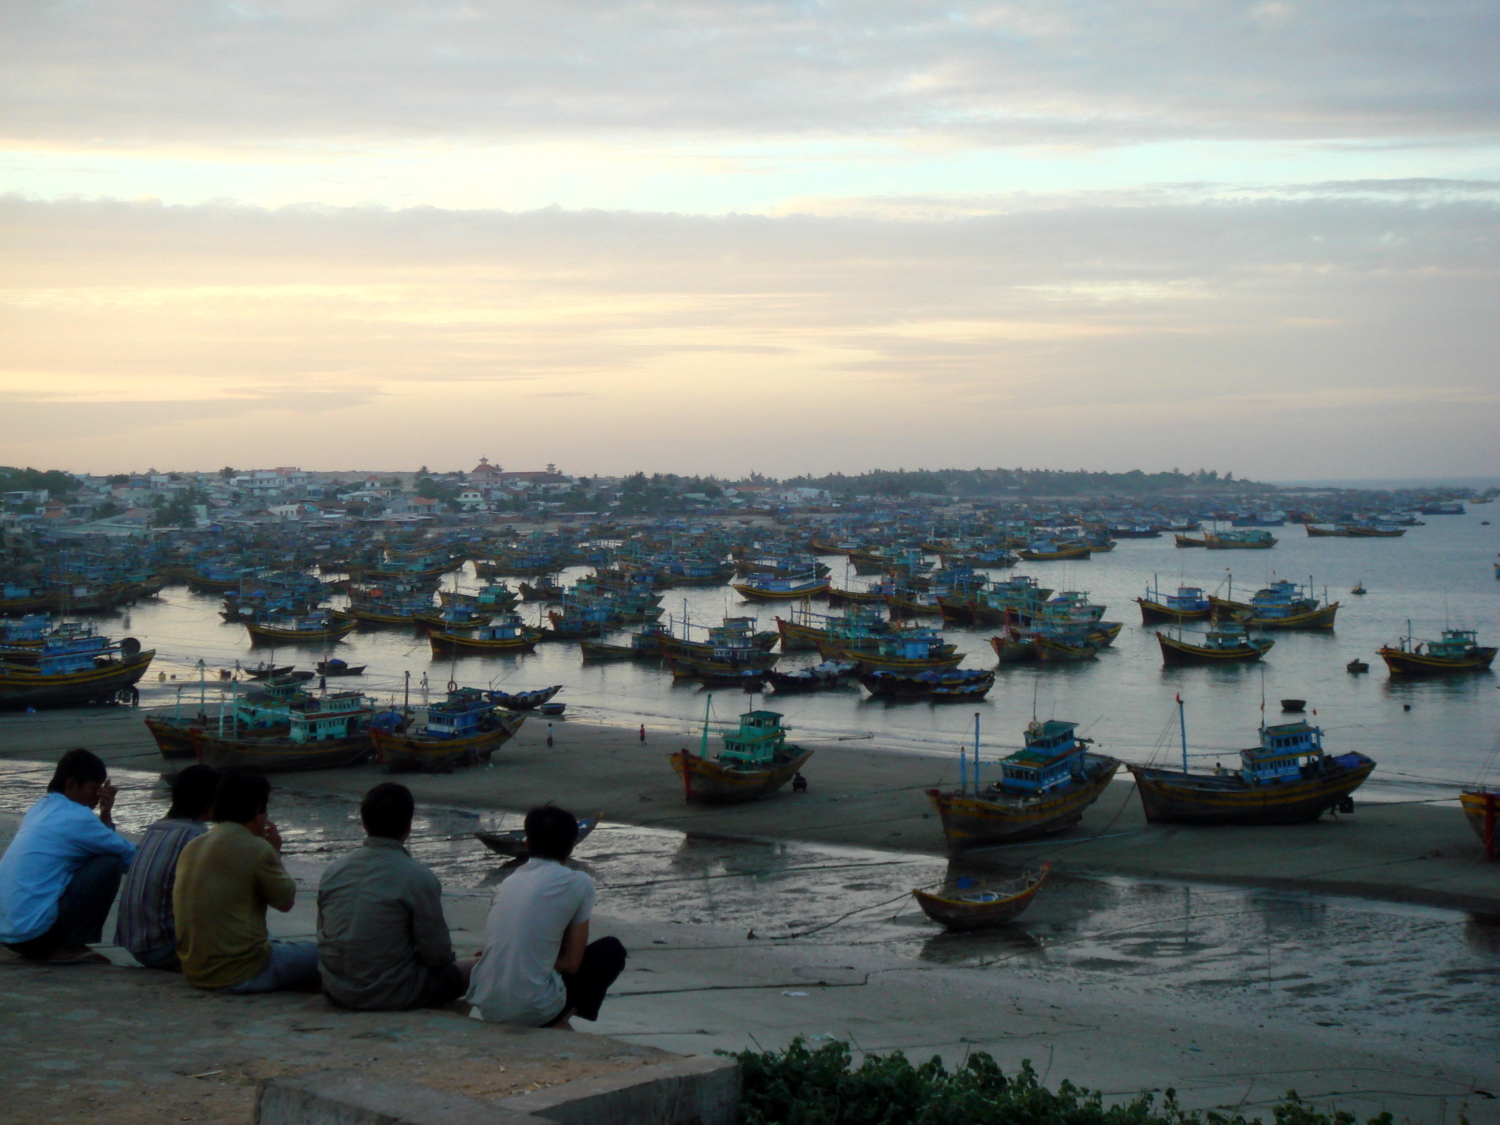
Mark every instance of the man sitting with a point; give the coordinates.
(59, 876)
(145, 925)
(225, 880)
(383, 942)
(538, 966)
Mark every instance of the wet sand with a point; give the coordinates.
(866, 796)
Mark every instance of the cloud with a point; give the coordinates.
(159, 73)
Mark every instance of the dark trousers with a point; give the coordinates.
(81, 909)
(603, 961)
(443, 986)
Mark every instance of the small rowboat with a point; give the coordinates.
(339, 668)
(979, 909)
(523, 700)
(512, 842)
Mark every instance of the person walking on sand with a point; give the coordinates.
(643, 734)
(225, 880)
(62, 870)
(538, 966)
(383, 943)
(146, 926)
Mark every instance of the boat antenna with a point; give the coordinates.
(1034, 684)
(1263, 700)
(1182, 725)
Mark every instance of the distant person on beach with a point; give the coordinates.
(538, 967)
(60, 874)
(383, 943)
(643, 732)
(225, 880)
(146, 925)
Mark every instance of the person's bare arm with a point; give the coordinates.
(575, 940)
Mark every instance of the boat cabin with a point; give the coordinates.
(460, 715)
(334, 716)
(1284, 750)
(1047, 761)
(1456, 644)
(758, 739)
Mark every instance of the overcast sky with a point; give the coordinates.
(717, 237)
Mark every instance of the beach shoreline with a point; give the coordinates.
(869, 797)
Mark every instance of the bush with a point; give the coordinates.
(800, 1086)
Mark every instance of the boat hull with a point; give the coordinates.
(1482, 810)
(972, 912)
(973, 820)
(174, 737)
(279, 755)
(1173, 797)
(1418, 664)
(447, 644)
(707, 781)
(265, 634)
(402, 752)
(759, 594)
(1320, 618)
(1174, 651)
(21, 687)
(1155, 613)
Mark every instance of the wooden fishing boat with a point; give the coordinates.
(323, 734)
(51, 678)
(1287, 779)
(1188, 604)
(959, 685)
(463, 730)
(1049, 551)
(1319, 618)
(754, 761)
(981, 908)
(1057, 650)
(337, 667)
(299, 630)
(1247, 539)
(1457, 651)
(1359, 588)
(1481, 808)
(264, 671)
(454, 617)
(511, 842)
(820, 677)
(523, 700)
(1189, 541)
(768, 589)
(1325, 532)
(1044, 788)
(506, 636)
(1374, 531)
(173, 735)
(1228, 644)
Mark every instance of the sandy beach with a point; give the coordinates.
(866, 796)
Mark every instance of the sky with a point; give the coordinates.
(723, 237)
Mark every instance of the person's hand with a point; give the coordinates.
(270, 835)
(107, 793)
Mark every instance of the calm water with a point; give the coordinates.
(1437, 573)
(1413, 973)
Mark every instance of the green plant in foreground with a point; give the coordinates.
(802, 1086)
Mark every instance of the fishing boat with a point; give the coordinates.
(908, 651)
(1229, 643)
(454, 618)
(1043, 788)
(982, 907)
(1189, 541)
(323, 733)
(1359, 588)
(511, 842)
(1051, 550)
(337, 667)
(87, 670)
(508, 635)
(1242, 539)
(1187, 604)
(316, 629)
(462, 730)
(958, 685)
(1374, 531)
(1457, 651)
(1315, 532)
(820, 677)
(644, 645)
(754, 760)
(1357, 665)
(765, 588)
(523, 700)
(1285, 605)
(264, 670)
(1286, 779)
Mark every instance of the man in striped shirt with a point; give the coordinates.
(146, 925)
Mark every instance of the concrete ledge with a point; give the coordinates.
(700, 1090)
(689, 1091)
(346, 1097)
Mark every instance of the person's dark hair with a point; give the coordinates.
(551, 832)
(241, 797)
(192, 792)
(387, 811)
(79, 766)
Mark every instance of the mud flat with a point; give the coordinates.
(863, 795)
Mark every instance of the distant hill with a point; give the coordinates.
(1010, 483)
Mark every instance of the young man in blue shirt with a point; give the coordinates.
(60, 874)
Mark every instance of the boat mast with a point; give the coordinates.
(202, 688)
(1182, 725)
(703, 742)
(976, 753)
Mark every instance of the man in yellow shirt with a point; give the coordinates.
(225, 880)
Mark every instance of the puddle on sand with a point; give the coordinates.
(1311, 959)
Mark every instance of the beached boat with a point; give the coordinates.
(462, 730)
(1227, 644)
(323, 733)
(1286, 779)
(754, 760)
(981, 907)
(317, 629)
(66, 673)
(1044, 787)
(523, 700)
(1187, 604)
(511, 842)
(765, 588)
(1457, 651)
(508, 635)
(1481, 808)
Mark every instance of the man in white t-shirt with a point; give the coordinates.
(538, 966)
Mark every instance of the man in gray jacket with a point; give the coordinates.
(383, 942)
